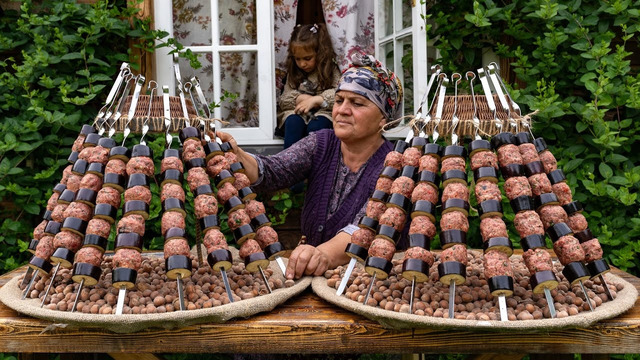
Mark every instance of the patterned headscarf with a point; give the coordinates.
(367, 76)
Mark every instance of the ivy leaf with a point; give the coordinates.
(605, 170)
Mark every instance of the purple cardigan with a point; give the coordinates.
(326, 158)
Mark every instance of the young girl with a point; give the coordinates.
(312, 76)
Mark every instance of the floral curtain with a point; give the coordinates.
(351, 26)
(284, 13)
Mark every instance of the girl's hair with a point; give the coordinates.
(313, 37)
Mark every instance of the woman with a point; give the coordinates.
(342, 165)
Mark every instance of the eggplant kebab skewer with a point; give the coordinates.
(495, 239)
(417, 258)
(391, 223)
(229, 186)
(41, 246)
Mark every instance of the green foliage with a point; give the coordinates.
(572, 61)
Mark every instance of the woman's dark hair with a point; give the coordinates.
(314, 37)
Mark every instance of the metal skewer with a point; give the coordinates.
(75, 302)
(122, 293)
(346, 276)
(550, 304)
(502, 304)
(476, 120)
(604, 284)
(264, 278)
(452, 298)
(586, 297)
(180, 292)
(413, 291)
(439, 109)
(53, 277)
(488, 95)
(27, 276)
(280, 263)
(373, 280)
(26, 291)
(435, 70)
(223, 272)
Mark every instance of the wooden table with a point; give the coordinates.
(308, 324)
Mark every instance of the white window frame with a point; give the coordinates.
(265, 58)
(419, 41)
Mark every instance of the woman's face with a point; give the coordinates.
(355, 117)
(305, 58)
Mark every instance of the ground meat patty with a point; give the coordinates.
(78, 210)
(45, 248)
(99, 227)
(171, 163)
(393, 217)
(197, 176)
(384, 184)
(453, 163)
(382, 248)
(455, 191)
(237, 219)
(77, 143)
(540, 184)
(457, 252)
(127, 258)
(552, 214)
(254, 208)
(592, 250)
(176, 247)
(58, 212)
(577, 222)
(411, 157)
(491, 227)
(216, 164)
(140, 165)
(496, 263)
(454, 220)
(214, 240)
(486, 190)
(363, 237)
(89, 255)
(563, 192)
(528, 223)
(537, 260)
(509, 154)
(192, 149)
(422, 225)
(99, 154)
(204, 205)
(484, 159)
(568, 250)
(109, 195)
(171, 219)
(417, 252)
(375, 209)
(393, 159)
(231, 157)
(548, 161)
(528, 152)
(85, 153)
(402, 185)
(139, 192)
(116, 166)
(517, 186)
(428, 162)
(266, 236)
(249, 247)
(65, 174)
(226, 192)
(132, 224)
(53, 201)
(242, 181)
(67, 240)
(38, 232)
(424, 191)
(171, 190)
(73, 183)
(91, 181)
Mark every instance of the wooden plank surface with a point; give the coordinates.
(308, 324)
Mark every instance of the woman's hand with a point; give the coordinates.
(306, 260)
(250, 164)
(308, 104)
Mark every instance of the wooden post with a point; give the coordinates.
(145, 59)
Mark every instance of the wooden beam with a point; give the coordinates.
(144, 59)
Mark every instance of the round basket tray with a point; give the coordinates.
(624, 300)
(10, 295)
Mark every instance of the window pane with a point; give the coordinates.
(237, 22)
(239, 76)
(385, 18)
(387, 55)
(204, 75)
(406, 14)
(192, 22)
(407, 73)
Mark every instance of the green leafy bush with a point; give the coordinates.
(572, 61)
